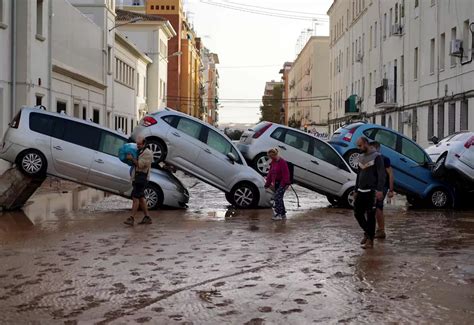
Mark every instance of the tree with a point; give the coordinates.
(270, 109)
(293, 123)
(233, 134)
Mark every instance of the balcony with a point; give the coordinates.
(350, 106)
(385, 96)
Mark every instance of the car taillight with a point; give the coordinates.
(16, 121)
(148, 121)
(469, 143)
(348, 135)
(257, 134)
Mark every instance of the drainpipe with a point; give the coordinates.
(50, 55)
(13, 67)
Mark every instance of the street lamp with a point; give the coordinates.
(179, 53)
(132, 21)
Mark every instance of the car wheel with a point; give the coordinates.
(153, 196)
(332, 200)
(244, 196)
(32, 163)
(352, 158)
(349, 198)
(261, 164)
(439, 169)
(158, 149)
(439, 199)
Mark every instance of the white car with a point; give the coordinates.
(41, 143)
(204, 152)
(317, 165)
(455, 153)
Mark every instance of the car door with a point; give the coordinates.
(219, 169)
(328, 168)
(414, 168)
(184, 144)
(73, 147)
(42, 124)
(294, 147)
(107, 171)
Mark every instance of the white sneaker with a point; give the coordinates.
(277, 217)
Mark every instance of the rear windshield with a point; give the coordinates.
(259, 126)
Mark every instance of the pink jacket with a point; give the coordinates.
(279, 172)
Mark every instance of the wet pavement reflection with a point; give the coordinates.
(65, 262)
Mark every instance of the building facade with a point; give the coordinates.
(285, 77)
(403, 64)
(210, 86)
(309, 99)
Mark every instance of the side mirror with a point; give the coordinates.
(232, 157)
(435, 140)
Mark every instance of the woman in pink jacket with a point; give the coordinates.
(278, 179)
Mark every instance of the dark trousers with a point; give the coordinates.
(364, 211)
(279, 204)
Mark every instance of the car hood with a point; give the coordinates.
(169, 176)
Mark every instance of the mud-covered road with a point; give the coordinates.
(213, 265)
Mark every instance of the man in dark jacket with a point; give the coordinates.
(369, 188)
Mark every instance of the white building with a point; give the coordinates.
(150, 35)
(309, 101)
(391, 63)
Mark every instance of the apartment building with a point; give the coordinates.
(210, 86)
(285, 72)
(403, 64)
(309, 101)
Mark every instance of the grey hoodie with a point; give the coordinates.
(371, 174)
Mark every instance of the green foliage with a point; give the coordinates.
(233, 134)
(270, 109)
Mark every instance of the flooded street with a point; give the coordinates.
(65, 261)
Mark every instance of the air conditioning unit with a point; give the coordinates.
(456, 48)
(406, 118)
(359, 57)
(397, 29)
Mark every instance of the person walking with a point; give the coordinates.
(388, 190)
(140, 175)
(369, 188)
(278, 179)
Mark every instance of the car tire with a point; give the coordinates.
(352, 157)
(158, 149)
(244, 196)
(261, 164)
(32, 163)
(439, 169)
(348, 200)
(439, 199)
(153, 196)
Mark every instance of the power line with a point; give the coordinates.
(274, 9)
(250, 66)
(264, 13)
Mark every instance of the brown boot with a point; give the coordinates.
(368, 244)
(364, 239)
(380, 234)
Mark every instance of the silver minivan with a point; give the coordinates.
(41, 142)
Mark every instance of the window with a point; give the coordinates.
(430, 122)
(433, 2)
(138, 84)
(170, 119)
(417, 3)
(1, 11)
(84, 113)
(466, 36)
(167, 7)
(370, 38)
(96, 116)
(452, 118)
(189, 127)
(415, 64)
(145, 86)
(384, 26)
(375, 35)
(412, 151)
(218, 142)
(352, 52)
(386, 138)
(370, 84)
(396, 13)
(172, 7)
(453, 37)
(162, 7)
(39, 17)
(124, 73)
(39, 99)
(464, 115)
(152, 7)
(60, 107)
(402, 70)
(432, 56)
(77, 133)
(441, 121)
(324, 152)
(442, 51)
(297, 140)
(41, 123)
(111, 143)
(390, 22)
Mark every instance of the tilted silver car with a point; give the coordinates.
(204, 152)
(455, 153)
(41, 143)
(317, 165)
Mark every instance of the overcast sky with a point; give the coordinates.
(244, 39)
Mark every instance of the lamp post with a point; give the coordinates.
(179, 53)
(132, 21)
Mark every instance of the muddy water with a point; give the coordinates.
(213, 265)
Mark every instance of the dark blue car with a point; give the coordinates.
(410, 163)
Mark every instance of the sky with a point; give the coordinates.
(252, 48)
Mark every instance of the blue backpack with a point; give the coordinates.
(128, 148)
